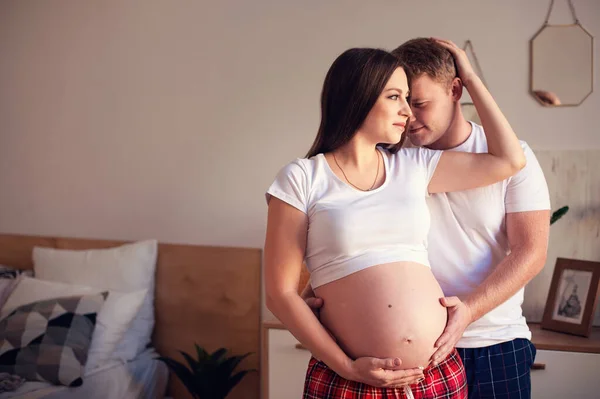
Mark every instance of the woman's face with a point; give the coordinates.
(386, 122)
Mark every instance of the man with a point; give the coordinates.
(485, 244)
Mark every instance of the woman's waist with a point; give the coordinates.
(324, 270)
(380, 280)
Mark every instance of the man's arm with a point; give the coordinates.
(528, 239)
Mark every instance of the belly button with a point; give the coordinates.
(407, 340)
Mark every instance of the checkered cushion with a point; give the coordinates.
(48, 340)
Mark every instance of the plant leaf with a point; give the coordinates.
(182, 372)
(558, 214)
(202, 354)
(233, 381)
(231, 363)
(194, 365)
(218, 354)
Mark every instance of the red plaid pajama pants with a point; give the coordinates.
(446, 380)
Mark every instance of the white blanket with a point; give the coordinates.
(144, 378)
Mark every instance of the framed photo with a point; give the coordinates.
(573, 297)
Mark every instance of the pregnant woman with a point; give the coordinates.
(355, 211)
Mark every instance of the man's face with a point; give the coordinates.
(432, 106)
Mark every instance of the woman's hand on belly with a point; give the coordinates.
(383, 373)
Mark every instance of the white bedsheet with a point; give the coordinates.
(144, 378)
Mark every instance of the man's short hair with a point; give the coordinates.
(424, 55)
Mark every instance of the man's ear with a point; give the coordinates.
(457, 89)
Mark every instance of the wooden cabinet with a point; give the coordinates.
(284, 365)
(567, 366)
(566, 375)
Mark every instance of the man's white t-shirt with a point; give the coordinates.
(468, 239)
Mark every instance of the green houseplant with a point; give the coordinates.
(209, 376)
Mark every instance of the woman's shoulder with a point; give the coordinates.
(301, 167)
(306, 164)
(419, 161)
(414, 154)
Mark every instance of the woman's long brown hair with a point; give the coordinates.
(352, 85)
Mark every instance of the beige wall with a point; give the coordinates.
(168, 119)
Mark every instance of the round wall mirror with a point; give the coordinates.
(562, 65)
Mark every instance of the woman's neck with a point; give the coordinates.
(358, 156)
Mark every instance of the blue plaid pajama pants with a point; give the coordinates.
(500, 371)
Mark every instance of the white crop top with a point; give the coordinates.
(350, 230)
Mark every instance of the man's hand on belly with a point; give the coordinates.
(459, 317)
(315, 304)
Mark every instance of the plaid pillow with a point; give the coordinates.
(49, 340)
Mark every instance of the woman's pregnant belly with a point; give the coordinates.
(389, 310)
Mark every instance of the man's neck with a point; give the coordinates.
(458, 132)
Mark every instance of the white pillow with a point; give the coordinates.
(127, 268)
(113, 320)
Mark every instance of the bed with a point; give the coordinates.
(205, 295)
(144, 377)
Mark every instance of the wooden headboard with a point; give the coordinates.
(208, 295)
